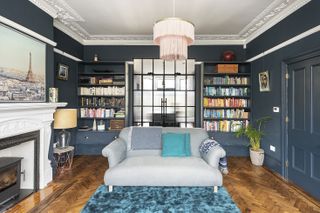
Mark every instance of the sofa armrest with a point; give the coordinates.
(116, 152)
(214, 155)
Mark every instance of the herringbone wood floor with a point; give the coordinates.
(254, 189)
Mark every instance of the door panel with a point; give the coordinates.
(304, 125)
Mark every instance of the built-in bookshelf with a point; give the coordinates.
(226, 98)
(101, 92)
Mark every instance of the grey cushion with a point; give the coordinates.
(146, 138)
(159, 171)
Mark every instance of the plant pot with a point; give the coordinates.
(257, 157)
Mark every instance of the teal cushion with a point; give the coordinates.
(187, 144)
(176, 145)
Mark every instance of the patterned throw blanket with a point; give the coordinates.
(210, 144)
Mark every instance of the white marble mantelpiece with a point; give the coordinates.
(20, 118)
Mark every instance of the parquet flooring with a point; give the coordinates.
(254, 189)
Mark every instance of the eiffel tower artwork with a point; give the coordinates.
(30, 77)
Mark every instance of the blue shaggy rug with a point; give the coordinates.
(160, 199)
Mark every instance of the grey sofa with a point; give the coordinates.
(135, 160)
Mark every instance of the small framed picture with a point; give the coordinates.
(63, 71)
(264, 81)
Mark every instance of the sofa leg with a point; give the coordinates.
(110, 188)
(215, 189)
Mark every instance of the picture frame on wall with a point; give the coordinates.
(22, 67)
(63, 72)
(264, 81)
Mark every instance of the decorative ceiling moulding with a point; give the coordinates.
(273, 14)
(69, 21)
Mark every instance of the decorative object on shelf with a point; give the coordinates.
(63, 72)
(94, 125)
(22, 67)
(64, 119)
(228, 55)
(53, 95)
(95, 58)
(116, 124)
(174, 35)
(254, 135)
(264, 81)
(101, 126)
(227, 68)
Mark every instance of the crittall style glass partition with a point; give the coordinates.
(163, 93)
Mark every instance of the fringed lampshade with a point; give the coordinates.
(174, 35)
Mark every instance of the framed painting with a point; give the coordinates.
(264, 81)
(63, 71)
(22, 67)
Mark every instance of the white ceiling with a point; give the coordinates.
(131, 21)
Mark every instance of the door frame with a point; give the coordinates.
(284, 104)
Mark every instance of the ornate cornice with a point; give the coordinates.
(69, 21)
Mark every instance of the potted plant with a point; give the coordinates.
(254, 135)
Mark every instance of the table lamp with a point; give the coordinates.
(64, 119)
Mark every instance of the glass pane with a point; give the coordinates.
(190, 114)
(190, 99)
(169, 83)
(158, 66)
(180, 98)
(158, 82)
(137, 66)
(186, 125)
(147, 82)
(181, 82)
(180, 114)
(147, 114)
(181, 67)
(146, 124)
(157, 110)
(136, 98)
(190, 66)
(136, 114)
(157, 98)
(169, 110)
(137, 82)
(169, 67)
(147, 98)
(169, 98)
(190, 83)
(147, 66)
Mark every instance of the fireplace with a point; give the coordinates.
(10, 169)
(21, 159)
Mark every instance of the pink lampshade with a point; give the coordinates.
(174, 35)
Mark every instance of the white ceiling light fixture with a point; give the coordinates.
(173, 35)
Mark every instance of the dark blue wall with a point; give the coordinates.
(68, 88)
(126, 53)
(262, 103)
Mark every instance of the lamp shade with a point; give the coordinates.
(65, 118)
(174, 35)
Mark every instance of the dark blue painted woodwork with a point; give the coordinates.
(303, 126)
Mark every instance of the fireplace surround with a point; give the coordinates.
(25, 128)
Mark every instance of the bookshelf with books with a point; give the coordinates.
(101, 104)
(226, 96)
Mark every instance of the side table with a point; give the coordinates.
(63, 158)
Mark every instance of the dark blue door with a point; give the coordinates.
(304, 125)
